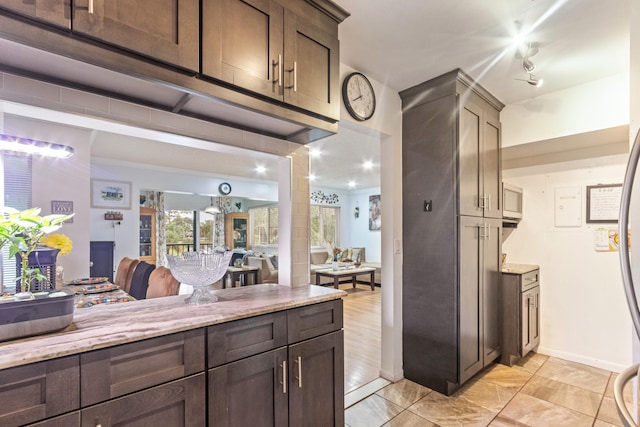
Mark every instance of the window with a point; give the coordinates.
(179, 231)
(325, 225)
(264, 226)
(17, 194)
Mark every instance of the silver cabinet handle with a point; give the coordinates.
(299, 376)
(482, 202)
(279, 64)
(284, 377)
(294, 70)
(90, 6)
(489, 201)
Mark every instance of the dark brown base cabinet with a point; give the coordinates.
(299, 384)
(521, 314)
(277, 369)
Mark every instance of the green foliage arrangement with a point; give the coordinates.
(22, 231)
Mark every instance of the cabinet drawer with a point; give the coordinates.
(67, 420)
(40, 390)
(127, 368)
(529, 280)
(243, 338)
(314, 320)
(180, 403)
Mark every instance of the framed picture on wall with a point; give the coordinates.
(110, 194)
(603, 203)
(375, 214)
(62, 207)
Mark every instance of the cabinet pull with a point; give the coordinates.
(90, 8)
(299, 376)
(294, 70)
(488, 202)
(284, 377)
(279, 64)
(482, 202)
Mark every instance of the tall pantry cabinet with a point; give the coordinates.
(452, 226)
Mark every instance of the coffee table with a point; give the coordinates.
(347, 272)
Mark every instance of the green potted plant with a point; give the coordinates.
(23, 231)
(27, 313)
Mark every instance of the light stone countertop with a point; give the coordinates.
(519, 268)
(108, 325)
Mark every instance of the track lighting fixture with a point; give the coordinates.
(528, 65)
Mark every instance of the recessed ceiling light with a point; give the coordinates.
(352, 184)
(314, 152)
(312, 177)
(261, 169)
(367, 164)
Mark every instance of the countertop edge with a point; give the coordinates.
(106, 326)
(518, 268)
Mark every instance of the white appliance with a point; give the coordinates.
(511, 201)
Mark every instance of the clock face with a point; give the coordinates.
(224, 188)
(358, 96)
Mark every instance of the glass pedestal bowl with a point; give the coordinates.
(199, 270)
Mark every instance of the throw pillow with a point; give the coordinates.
(274, 261)
(356, 254)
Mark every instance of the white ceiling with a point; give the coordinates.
(406, 43)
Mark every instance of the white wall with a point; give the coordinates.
(61, 179)
(359, 233)
(584, 317)
(386, 127)
(597, 105)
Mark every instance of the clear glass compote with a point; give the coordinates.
(199, 270)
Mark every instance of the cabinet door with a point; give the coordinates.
(316, 381)
(491, 166)
(236, 230)
(491, 261)
(470, 298)
(148, 235)
(40, 390)
(250, 392)
(242, 44)
(57, 12)
(311, 67)
(166, 30)
(530, 320)
(177, 404)
(469, 179)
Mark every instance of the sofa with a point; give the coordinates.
(320, 260)
(267, 271)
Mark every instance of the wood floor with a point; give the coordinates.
(362, 325)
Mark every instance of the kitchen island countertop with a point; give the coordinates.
(108, 325)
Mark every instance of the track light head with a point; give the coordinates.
(528, 65)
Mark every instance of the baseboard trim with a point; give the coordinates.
(572, 357)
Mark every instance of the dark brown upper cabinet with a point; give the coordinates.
(166, 30)
(56, 12)
(275, 51)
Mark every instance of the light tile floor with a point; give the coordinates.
(538, 391)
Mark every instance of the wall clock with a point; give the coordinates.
(358, 96)
(224, 188)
